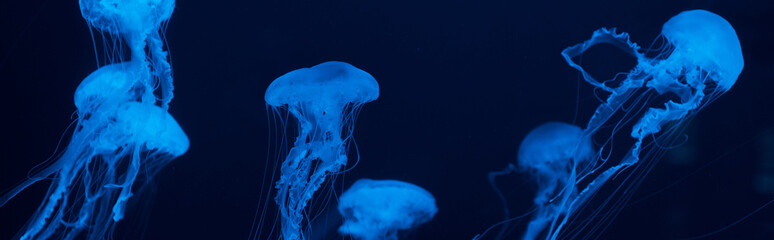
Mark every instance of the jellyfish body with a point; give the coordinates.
(324, 100)
(120, 133)
(115, 136)
(553, 154)
(701, 60)
(378, 209)
(139, 22)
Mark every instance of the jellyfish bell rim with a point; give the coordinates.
(716, 49)
(331, 82)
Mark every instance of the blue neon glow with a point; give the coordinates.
(120, 132)
(701, 60)
(553, 154)
(324, 99)
(378, 209)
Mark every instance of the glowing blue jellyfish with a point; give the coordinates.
(324, 99)
(700, 61)
(115, 140)
(553, 154)
(120, 132)
(140, 23)
(378, 209)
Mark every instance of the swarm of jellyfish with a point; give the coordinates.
(700, 60)
(378, 209)
(120, 132)
(324, 99)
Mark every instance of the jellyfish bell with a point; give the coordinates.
(152, 127)
(323, 89)
(553, 148)
(133, 18)
(553, 152)
(109, 86)
(378, 209)
(709, 42)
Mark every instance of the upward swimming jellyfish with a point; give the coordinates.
(120, 133)
(701, 60)
(324, 99)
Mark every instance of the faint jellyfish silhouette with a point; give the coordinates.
(553, 154)
(378, 209)
(700, 61)
(114, 137)
(325, 100)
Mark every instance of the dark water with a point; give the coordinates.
(461, 83)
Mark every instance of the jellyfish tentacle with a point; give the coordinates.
(162, 69)
(126, 186)
(55, 202)
(48, 171)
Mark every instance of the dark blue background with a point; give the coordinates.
(461, 83)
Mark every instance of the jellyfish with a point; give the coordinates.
(378, 209)
(324, 99)
(140, 23)
(120, 133)
(115, 140)
(701, 59)
(553, 154)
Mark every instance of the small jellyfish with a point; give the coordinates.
(378, 209)
(553, 154)
(115, 140)
(324, 99)
(701, 59)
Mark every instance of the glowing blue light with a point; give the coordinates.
(120, 133)
(324, 99)
(553, 154)
(378, 209)
(700, 61)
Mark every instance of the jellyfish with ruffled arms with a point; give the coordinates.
(378, 209)
(700, 61)
(324, 99)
